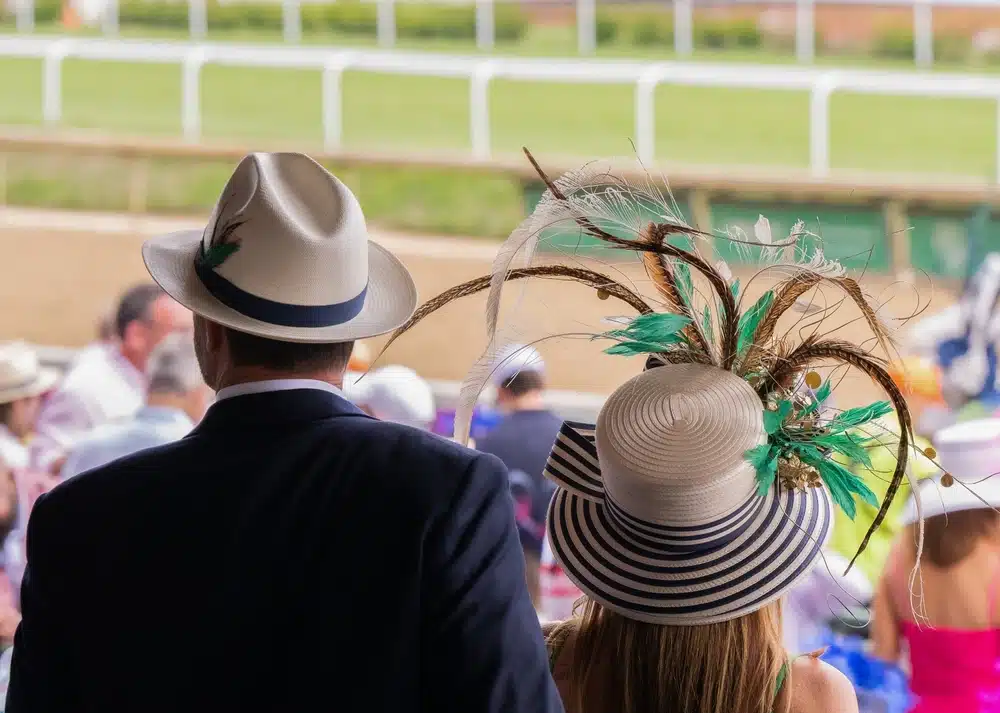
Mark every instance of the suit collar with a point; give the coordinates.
(258, 387)
(285, 406)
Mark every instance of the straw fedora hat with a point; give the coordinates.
(285, 255)
(21, 376)
(970, 453)
(658, 515)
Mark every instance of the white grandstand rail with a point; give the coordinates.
(480, 72)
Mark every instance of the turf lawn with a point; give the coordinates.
(384, 112)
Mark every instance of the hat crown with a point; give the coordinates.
(671, 444)
(18, 365)
(300, 232)
(970, 451)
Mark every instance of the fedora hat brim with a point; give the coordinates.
(389, 302)
(44, 380)
(686, 575)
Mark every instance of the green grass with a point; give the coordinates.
(396, 113)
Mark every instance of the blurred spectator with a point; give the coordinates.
(558, 594)
(107, 384)
(523, 440)
(176, 399)
(396, 394)
(22, 383)
(949, 618)
(9, 616)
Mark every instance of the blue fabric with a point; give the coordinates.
(950, 350)
(523, 441)
(289, 554)
(880, 686)
(280, 313)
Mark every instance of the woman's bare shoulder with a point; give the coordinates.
(817, 687)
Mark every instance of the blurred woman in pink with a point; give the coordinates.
(953, 641)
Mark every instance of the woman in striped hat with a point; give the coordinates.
(706, 489)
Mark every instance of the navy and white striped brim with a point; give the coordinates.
(687, 575)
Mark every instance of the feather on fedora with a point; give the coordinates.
(285, 255)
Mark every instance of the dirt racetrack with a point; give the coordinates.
(55, 283)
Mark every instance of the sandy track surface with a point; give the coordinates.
(60, 271)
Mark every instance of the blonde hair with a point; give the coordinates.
(618, 664)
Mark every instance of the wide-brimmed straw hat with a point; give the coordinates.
(658, 516)
(285, 255)
(969, 454)
(21, 375)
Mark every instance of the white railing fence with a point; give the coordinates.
(586, 15)
(644, 76)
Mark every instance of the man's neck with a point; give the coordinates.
(533, 401)
(250, 375)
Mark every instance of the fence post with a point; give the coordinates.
(923, 33)
(683, 28)
(586, 26)
(25, 15)
(110, 18)
(291, 20)
(386, 23)
(645, 112)
(191, 93)
(805, 31)
(197, 19)
(52, 81)
(479, 109)
(898, 238)
(333, 104)
(819, 124)
(485, 25)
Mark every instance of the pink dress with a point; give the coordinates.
(955, 671)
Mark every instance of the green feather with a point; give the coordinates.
(751, 318)
(851, 446)
(821, 395)
(842, 484)
(707, 325)
(648, 333)
(218, 254)
(860, 415)
(764, 459)
(682, 275)
(773, 420)
(734, 287)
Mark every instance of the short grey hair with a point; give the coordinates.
(173, 366)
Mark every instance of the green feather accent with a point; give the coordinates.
(682, 275)
(751, 318)
(734, 287)
(706, 322)
(858, 416)
(773, 420)
(843, 485)
(648, 333)
(218, 254)
(821, 395)
(764, 459)
(850, 446)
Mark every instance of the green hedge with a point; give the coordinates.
(414, 21)
(898, 43)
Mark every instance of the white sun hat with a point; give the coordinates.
(285, 255)
(398, 394)
(514, 359)
(21, 375)
(658, 516)
(970, 453)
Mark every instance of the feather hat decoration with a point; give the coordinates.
(684, 325)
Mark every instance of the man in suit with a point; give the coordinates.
(291, 553)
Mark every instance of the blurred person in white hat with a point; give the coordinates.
(106, 382)
(397, 394)
(953, 643)
(291, 552)
(176, 399)
(23, 381)
(522, 440)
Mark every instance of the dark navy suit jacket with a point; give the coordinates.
(291, 554)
